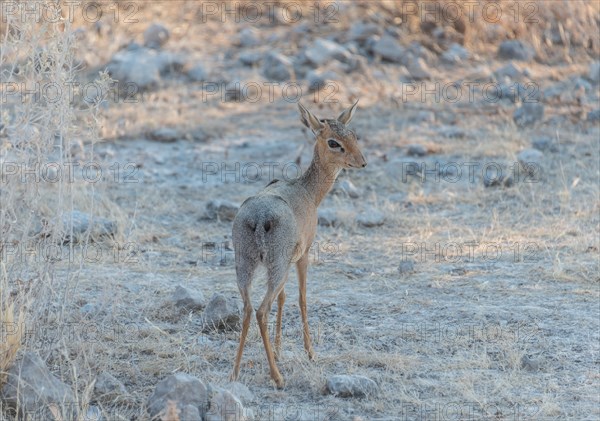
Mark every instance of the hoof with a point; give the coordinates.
(279, 382)
(233, 377)
(311, 355)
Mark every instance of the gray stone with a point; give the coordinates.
(250, 58)
(544, 144)
(164, 134)
(197, 73)
(455, 54)
(511, 71)
(248, 37)
(188, 299)
(406, 267)
(423, 116)
(156, 36)
(371, 218)
(222, 210)
(241, 391)
(138, 68)
(322, 51)
(108, 388)
(418, 70)
(594, 74)
(416, 150)
(318, 80)
(88, 309)
(529, 364)
(221, 313)
(79, 226)
(452, 132)
(389, 49)
(594, 115)
(30, 388)
(531, 161)
(528, 114)
(497, 180)
(224, 406)
(360, 31)
(351, 386)
(277, 67)
(183, 389)
(516, 50)
(327, 217)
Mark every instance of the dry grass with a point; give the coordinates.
(364, 315)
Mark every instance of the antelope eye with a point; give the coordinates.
(333, 144)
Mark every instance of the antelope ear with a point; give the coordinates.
(309, 120)
(348, 113)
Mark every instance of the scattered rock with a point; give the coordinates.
(544, 144)
(351, 386)
(594, 74)
(222, 210)
(156, 36)
(224, 406)
(529, 364)
(188, 299)
(348, 188)
(248, 37)
(452, 132)
(277, 67)
(455, 54)
(371, 218)
(511, 72)
(241, 391)
(327, 217)
(361, 31)
(79, 227)
(497, 180)
(322, 51)
(406, 267)
(108, 388)
(164, 134)
(318, 80)
(423, 116)
(389, 49)
(138, 67)
(416, 150)
(531, 162)
(250, 58)
(197, 73)
(528, 114)
(221, 313)
(30, 388)
(418, 70)
(88, 309)
(594, 115)
(516, 50)
(187, 392)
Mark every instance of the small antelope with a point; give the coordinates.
(277, 226)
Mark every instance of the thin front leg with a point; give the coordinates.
(280, 303)
(245, 326)
(301, 267)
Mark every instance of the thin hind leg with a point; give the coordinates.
(277, 275)
(280, 303)
(245, 272)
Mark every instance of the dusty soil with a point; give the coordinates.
(496, 319)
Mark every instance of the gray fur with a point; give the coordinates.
(276, 228)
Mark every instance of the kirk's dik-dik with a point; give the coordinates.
(277, 226)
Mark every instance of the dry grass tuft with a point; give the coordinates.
(12, 321)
